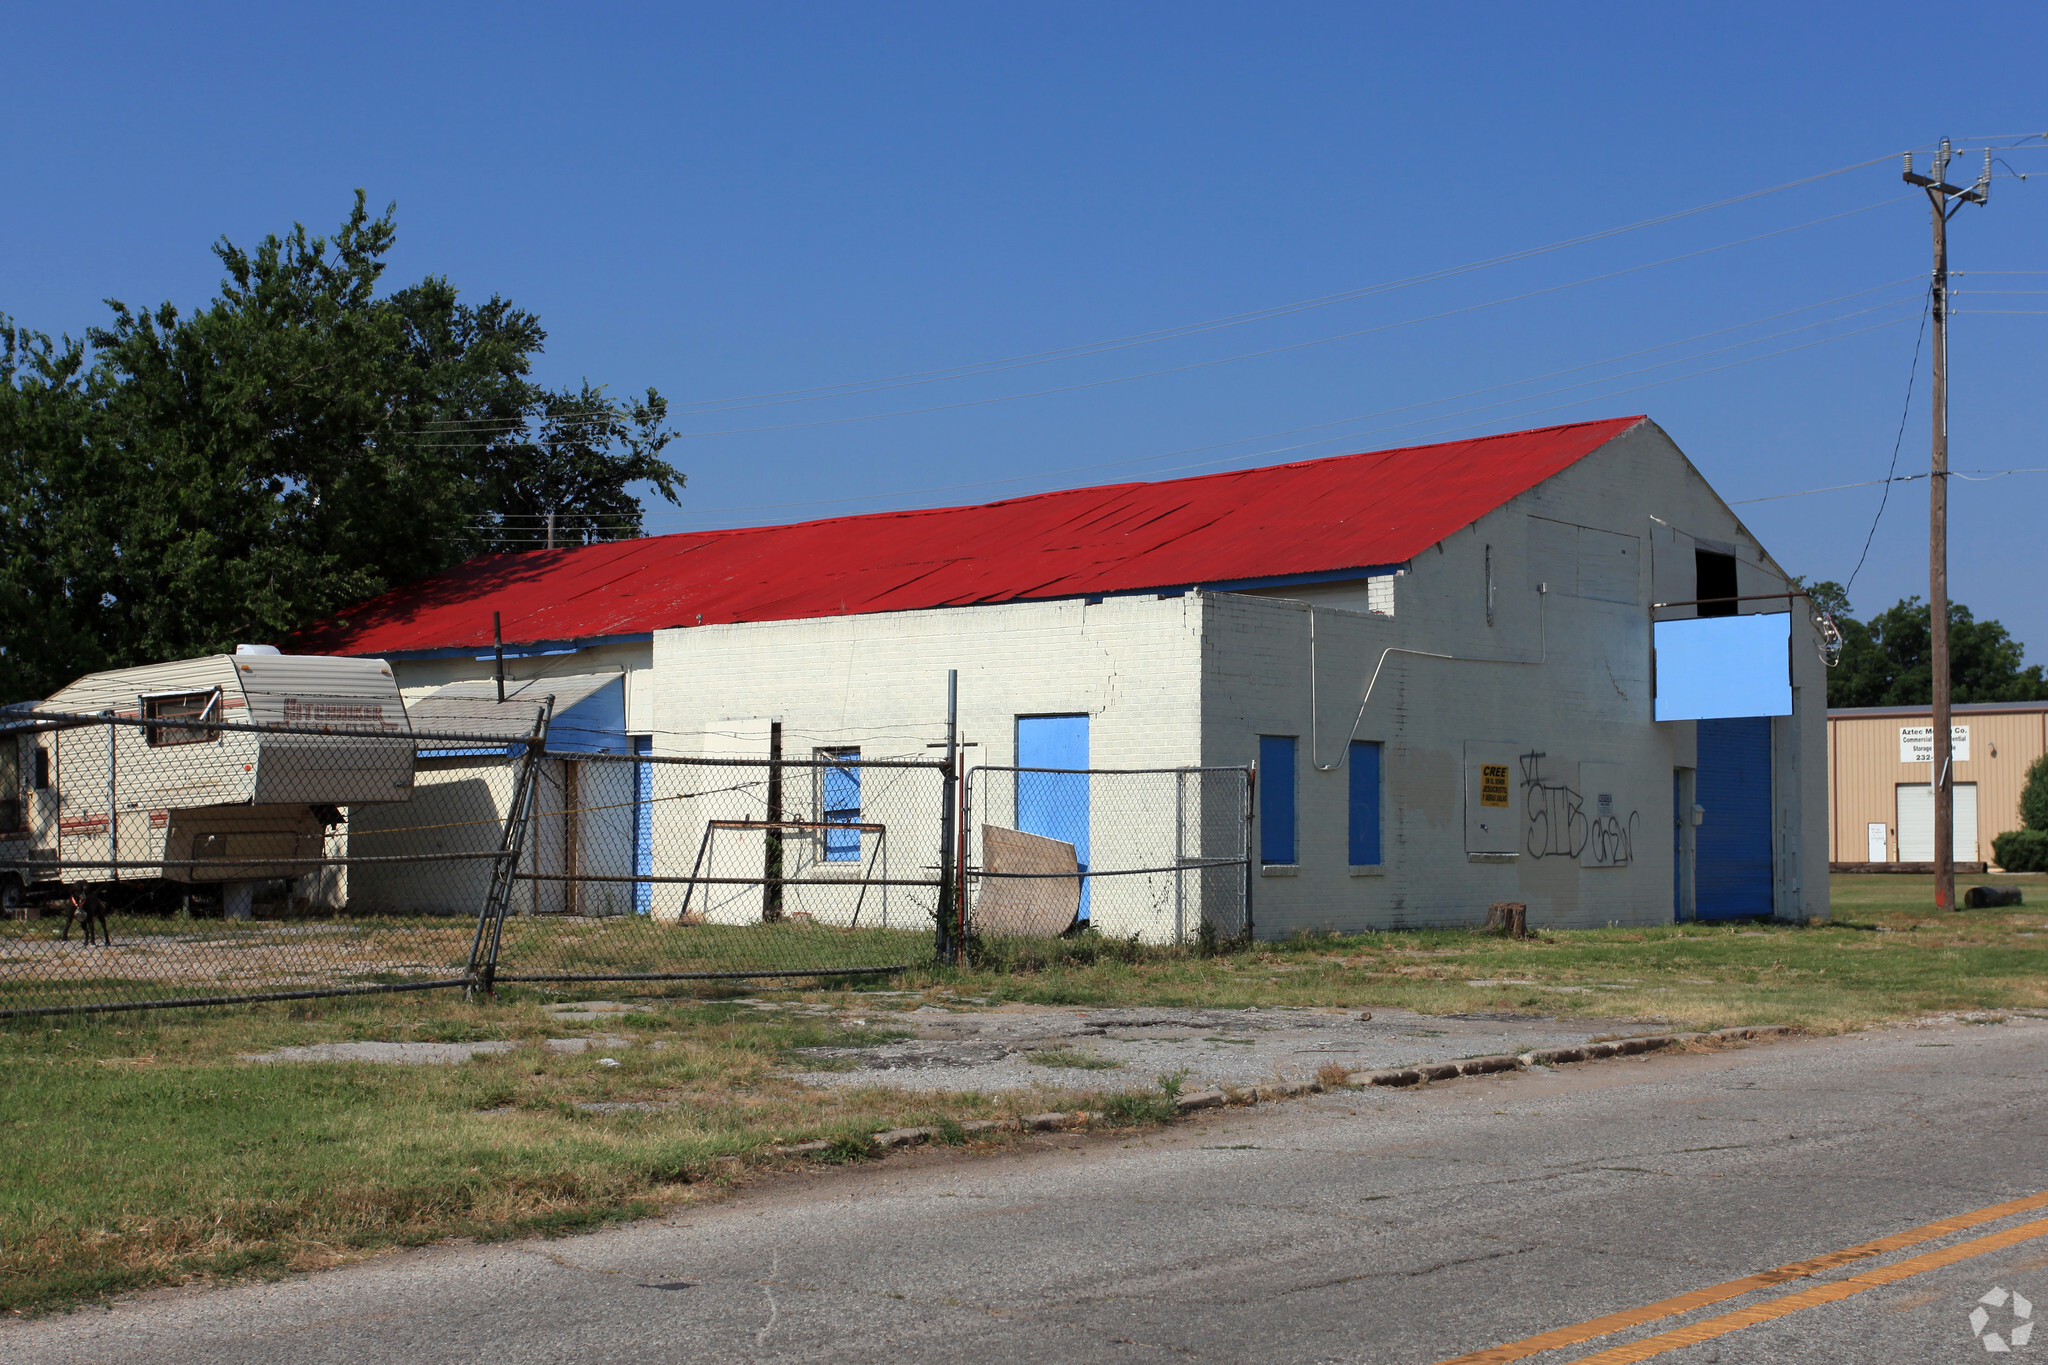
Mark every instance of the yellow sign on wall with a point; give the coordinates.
(1493, 784)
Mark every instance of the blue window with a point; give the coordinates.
(841, 804)
(1276, 798)
(1365, 803)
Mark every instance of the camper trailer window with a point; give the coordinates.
(184, 706)
(10, 785)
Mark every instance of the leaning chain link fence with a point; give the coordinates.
(171, 856)
(1159, 855)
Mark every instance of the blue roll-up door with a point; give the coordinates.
(1732, 873)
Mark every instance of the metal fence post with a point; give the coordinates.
(948, 906)
(490, 920)
(771, 842)
(1251, 806)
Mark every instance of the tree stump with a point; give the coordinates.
(1510, 917)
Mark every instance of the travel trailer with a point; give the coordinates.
(92, 802)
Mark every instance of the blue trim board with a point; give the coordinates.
(1290, 580)
(526, 649)
(1286, 580)
(529, 648)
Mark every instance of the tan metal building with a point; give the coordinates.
(1880, 801)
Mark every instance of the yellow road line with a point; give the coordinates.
(1730, 1289)
(1832, 1292)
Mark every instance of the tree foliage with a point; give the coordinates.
(174, 484)
(1889, 660)
(2034, 795)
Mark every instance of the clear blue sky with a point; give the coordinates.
(737, 200)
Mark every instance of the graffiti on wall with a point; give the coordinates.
(1559, 824)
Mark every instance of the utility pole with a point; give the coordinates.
(1946, 200)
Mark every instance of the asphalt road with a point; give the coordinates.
(1373, 1226)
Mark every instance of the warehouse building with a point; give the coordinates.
(1881, 774)
(1549, 667)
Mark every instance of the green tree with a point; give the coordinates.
(2034, 795)
(1888, 661)
(176, 484)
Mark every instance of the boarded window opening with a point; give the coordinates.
(1365, 803)
(1276, 798)
(1714, 578)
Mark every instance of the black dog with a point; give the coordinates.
(87, 906)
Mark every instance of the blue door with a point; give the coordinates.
(1054, 805)
(643, 825)
(1732, 859)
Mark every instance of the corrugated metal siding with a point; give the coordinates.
(1354, 511)
(1864, 774)
(1732, 873)
(117, 689)
(315, 689)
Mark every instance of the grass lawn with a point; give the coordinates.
(140, 1149)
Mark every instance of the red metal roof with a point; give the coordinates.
(1317, 516)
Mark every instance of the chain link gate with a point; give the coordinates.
(1159, 854)
(169, 859)
(644, 867)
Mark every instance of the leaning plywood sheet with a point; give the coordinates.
(472, 707)
(1041, 897)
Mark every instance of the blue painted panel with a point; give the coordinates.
(1276, 798)
(1732, 873)
(643, 825)
(842, 806)
(595, 725)
(1724, 666)
(1365, 803)
(1055, 805)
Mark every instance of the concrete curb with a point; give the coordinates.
(1404, 1076)
(890, 1138)
(1397, 1077)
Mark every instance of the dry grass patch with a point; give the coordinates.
(140, 1149)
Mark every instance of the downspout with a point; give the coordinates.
(1314, 716)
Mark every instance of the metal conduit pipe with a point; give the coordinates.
(1315, 747)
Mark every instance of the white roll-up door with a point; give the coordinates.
(1916, 822)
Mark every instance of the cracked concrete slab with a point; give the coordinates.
(993, 1050)
(403, 1054)
(425, 1054)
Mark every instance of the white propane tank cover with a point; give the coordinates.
(258, 649)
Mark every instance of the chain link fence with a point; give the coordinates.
(172, 857)
(1161, 855)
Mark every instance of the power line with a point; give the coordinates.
(1654, 384)
(1898, 442)
(1279, 350)
(1261, 314)
(1295, 431)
